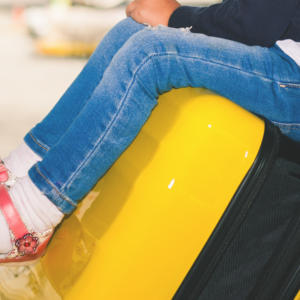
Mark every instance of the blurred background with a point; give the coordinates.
(43, 46)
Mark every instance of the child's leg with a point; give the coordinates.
(37, 212)
(154, 61)
(47, 133)
(151, 62)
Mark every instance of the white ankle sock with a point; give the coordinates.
(21, 160)
(36, 210)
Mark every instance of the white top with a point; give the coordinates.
(291, 48)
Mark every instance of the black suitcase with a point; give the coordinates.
(254, 252)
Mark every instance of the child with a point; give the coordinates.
(62, 157)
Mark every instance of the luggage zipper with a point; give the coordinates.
(226, 229)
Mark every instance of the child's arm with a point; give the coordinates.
(152, 12)
(253, 22)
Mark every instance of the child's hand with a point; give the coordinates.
(152, 12)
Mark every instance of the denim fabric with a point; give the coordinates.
(47, 133)
(105, 108)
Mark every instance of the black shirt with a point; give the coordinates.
(252, 22)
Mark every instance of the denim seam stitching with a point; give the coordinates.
(54, 187)
(226, 66)
(220, 64)
(150, 56)
(290, 125)
(235, 68)
(290, 84)
(38, 143)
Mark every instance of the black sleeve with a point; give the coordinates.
(252, 22)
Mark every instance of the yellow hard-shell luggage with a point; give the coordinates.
(141, 233)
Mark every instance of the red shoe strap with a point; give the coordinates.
(3, 173)
(11, 214)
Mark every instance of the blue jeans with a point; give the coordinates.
(106, 106)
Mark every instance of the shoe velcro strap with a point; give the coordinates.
(11, 214)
